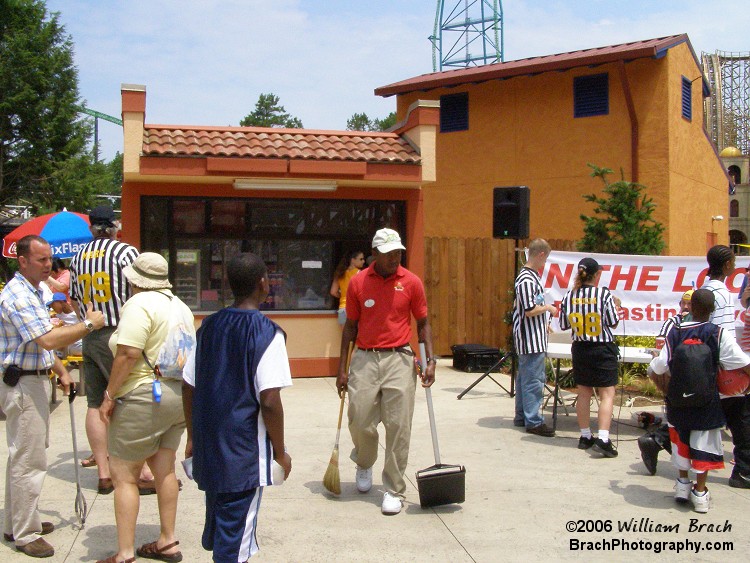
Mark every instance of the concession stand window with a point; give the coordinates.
(300, 240)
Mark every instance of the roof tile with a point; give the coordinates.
(259, 142)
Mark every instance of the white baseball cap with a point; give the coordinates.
(387, 240)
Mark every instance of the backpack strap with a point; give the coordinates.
(154, 368)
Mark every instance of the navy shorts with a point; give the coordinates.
(231, 519)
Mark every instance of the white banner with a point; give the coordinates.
(650, 287)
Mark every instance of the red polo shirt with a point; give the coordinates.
(383, 307)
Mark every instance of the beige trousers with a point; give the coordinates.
(381, 389)
(27, 434)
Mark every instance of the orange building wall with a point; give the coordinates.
(698, 181)
(522, 132)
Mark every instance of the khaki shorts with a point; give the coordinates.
(140, 426)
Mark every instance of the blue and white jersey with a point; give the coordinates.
(240, 353)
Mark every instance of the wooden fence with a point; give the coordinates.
(469, 286)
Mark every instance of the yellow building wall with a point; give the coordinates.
(522, 132)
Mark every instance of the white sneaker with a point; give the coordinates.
(364, 479)
(391, 504)
(682, 491)
(700, 502)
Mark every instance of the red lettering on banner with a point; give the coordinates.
(649, 274)
(621, 274)
(701, 278)
(637, 313)
(734, 287)
(679, 281)
(554, 275)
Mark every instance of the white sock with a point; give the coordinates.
(698, 493)
(684, 480)
(604, 435)
(586, 432)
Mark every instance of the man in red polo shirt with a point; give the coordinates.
(382, 378)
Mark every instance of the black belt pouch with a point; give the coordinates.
(12, 375)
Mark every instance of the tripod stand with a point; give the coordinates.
(487, 374)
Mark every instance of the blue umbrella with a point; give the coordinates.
(66, 232)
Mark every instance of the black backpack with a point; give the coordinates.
(693, 365)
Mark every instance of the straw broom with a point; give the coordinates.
(332, 479)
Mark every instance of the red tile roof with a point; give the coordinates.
(534, 65)
(263, 142)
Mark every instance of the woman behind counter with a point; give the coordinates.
(140, 428)
(349, 266)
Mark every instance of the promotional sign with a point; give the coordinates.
(650, 287)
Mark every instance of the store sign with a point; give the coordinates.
(650, 287)
(187, 256)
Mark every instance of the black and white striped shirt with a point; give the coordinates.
(590, 312)
(529, 333)
(96, 277)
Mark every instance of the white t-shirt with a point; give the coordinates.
(273, 368)
(723, 314)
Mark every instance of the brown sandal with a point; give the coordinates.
(151, 551)
(89, 461)
(113, 559)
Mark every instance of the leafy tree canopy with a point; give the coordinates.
(361, 122)
(269, 113)
(43, 157)
(624, 223)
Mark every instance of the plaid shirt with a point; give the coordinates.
(24, 318)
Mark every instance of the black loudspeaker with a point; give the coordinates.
(510, 212)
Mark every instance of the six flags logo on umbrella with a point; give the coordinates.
(64, 250)
(66, 233)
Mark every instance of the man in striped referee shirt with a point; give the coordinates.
(530, 325)
(96, 277)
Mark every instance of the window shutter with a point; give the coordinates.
(454, 112)
(591, 95)
(687, 100)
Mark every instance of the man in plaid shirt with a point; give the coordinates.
(27, 341)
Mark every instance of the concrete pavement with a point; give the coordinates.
(524, 493)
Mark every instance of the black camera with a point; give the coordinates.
(12, 375)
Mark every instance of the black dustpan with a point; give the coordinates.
(440, 483)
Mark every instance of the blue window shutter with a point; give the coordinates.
(687, 100)
(591, 95)
(454, 112)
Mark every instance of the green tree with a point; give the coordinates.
(43, 157)
(361, 122)
(624, 224)
(386, 123)
(269, 113)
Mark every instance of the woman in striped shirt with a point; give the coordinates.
(592, 312)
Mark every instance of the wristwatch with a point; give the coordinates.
(89, 325)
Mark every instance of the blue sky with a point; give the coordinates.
(205, 62)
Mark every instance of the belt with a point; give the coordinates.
(44, 371)
(401, 349)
